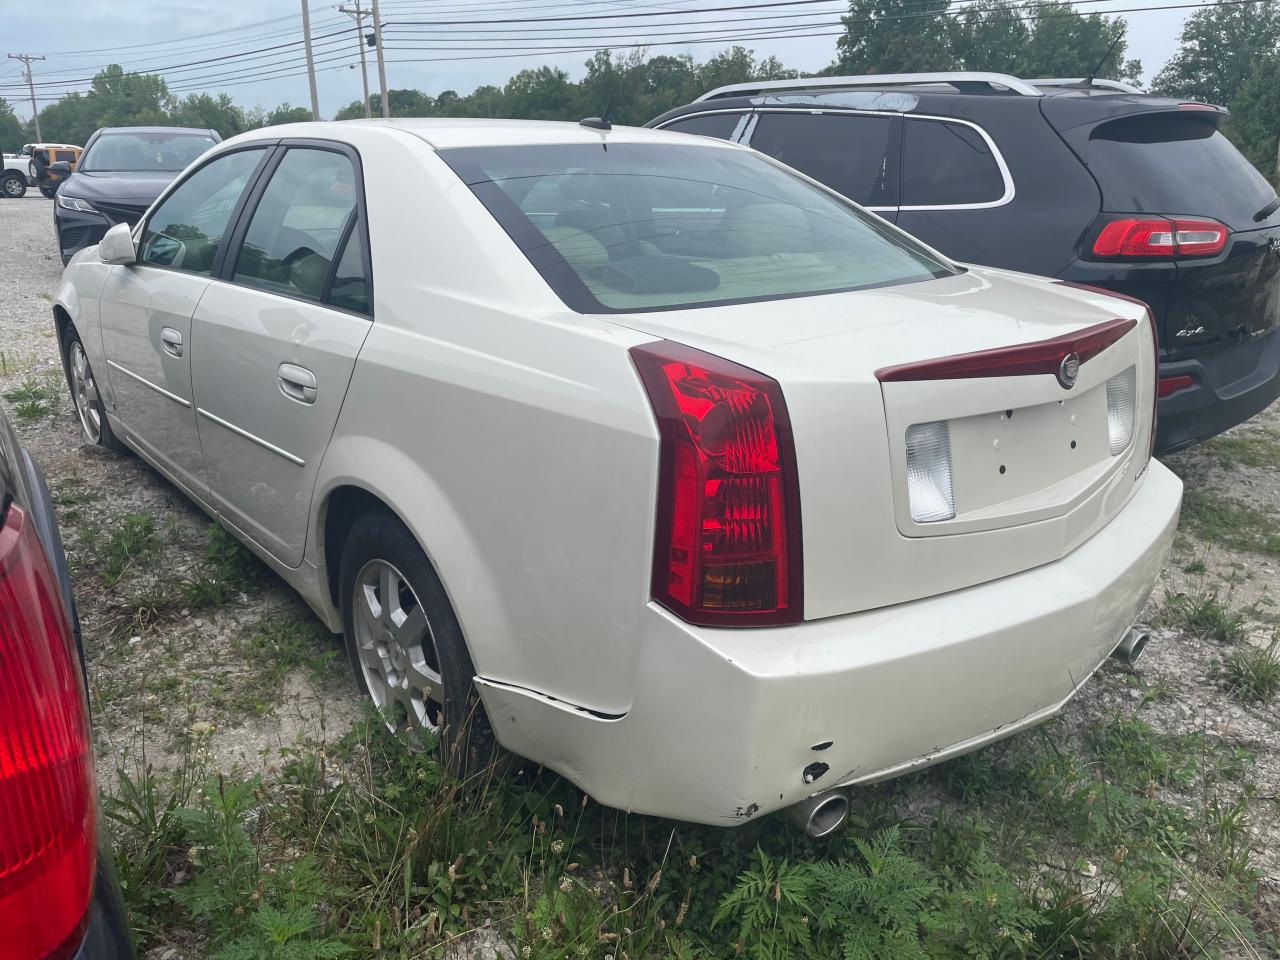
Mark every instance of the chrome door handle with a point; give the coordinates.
(298, 383)
(172, 341)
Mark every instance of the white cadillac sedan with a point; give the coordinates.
(636, 454)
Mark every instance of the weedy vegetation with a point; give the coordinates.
(1252, 673)
(1204, 614)
(35, 399)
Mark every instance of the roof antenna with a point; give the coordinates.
(601, 122)
(1088, 81)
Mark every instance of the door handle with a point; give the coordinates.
(172, 341)
(298, 383)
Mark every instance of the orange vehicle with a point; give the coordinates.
(45, 168)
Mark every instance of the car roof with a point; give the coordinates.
(444, 133)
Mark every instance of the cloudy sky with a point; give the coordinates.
(252, 51)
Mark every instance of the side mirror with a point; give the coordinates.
(116, 245)
(61, 167)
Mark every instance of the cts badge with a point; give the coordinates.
(1068, 370)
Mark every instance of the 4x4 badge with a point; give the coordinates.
(1068, 370)
(1274, 243)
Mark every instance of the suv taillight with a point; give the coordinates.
(1158, 237)
(47, 830)
(727, 544)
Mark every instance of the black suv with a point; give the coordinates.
(1091, 182)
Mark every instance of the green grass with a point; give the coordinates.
(266, 657)
(363, 846)
(1252, 674)
(226, 570)
(1249, 450)
(34, 399)
(133, 543)
(1217, 519)
(1205, 615)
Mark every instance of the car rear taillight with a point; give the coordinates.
(1159, 237)
(727, 543)
(47, 830)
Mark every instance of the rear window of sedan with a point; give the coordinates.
(638, 227)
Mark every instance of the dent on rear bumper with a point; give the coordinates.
(730, 724)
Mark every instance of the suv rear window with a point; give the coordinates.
(662, 226)
(851, 154)
(718, 125)
(947, 164)
(1175, 163)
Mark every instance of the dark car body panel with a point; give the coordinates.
(1217, 316)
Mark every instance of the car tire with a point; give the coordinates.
(86, 398)
(414, 641)
(49, 192)
(13, 185)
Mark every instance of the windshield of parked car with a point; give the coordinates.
(161, 151)
(659, 226)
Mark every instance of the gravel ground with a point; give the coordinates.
(154, 677)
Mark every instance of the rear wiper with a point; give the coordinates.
(1267, 211)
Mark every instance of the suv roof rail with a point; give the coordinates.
(1119, 85)
(960, 80)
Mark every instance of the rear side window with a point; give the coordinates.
(66, 155)
(852, 155)
(947, 164)
(1175, 163)
(718, 125)
(299, 223)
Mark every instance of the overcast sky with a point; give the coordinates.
(210, 46)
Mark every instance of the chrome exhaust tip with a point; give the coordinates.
(821, 815)
(1133, 646)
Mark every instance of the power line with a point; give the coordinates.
(28, 59)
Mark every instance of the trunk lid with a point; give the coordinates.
(835, 356)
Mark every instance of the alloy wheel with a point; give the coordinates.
(397, 649)
(85, 392)
(13, 187)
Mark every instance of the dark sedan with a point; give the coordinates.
(122, 170)
(58, 894)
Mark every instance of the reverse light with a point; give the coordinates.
(929, 487)
(727, 542)
(47, 841)
(1160, 237)
(1122, 398)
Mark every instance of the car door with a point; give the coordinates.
(147, 308)
(278, 334)
(853, 153)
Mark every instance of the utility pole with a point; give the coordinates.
(31, 88)
(311, 63)
(382, 63)
(358, 13)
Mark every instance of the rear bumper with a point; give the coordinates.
(107, 935)
(730, 724)
(1230, 386)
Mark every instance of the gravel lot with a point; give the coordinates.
(161, 663)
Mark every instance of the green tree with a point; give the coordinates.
(215, 113)
(11, 132)
(1255, 115)
(1219, 46)
(1065, 44)
(895, 36)
(991, 35)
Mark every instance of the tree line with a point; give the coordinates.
(1227, 54)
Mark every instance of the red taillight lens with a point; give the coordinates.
(47, 840)
(727, 547)
(1157, 237)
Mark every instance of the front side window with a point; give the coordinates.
(185, 231)
(299, 224)
(947, 164)
(853, 155)
(659, 226)
(161, 151)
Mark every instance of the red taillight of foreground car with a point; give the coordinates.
(47, 840)
(727, 548)
(1158, 237)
